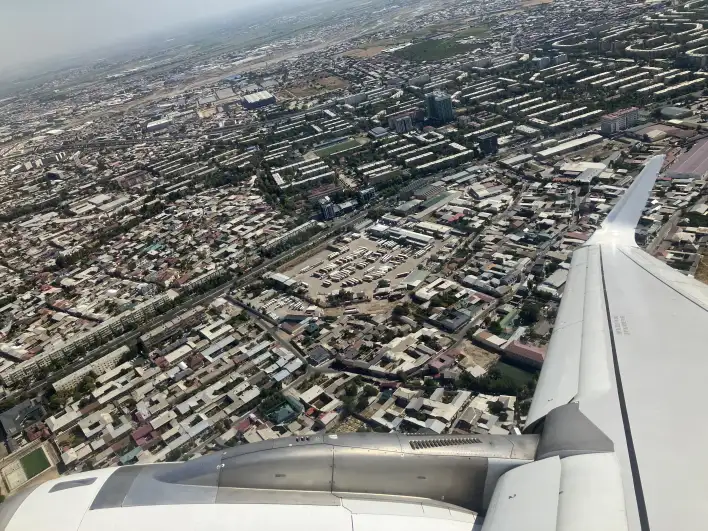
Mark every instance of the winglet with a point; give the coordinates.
(618, 227)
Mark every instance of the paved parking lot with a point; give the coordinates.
(365, 260)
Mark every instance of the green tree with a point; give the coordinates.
(522, 407)
(496, 328)
(370, 390)
(530, 313)
(362, 403)
(400, 310)
(59, 399)
(87, 385)
(496, 407)
(349, 405)
(174, 455)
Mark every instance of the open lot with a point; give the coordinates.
(14, 476)
(472, 31)
(332, 82)
(318, 86)
(388, 270)
(364, 53)
(475, 355)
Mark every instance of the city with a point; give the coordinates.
(357, 219)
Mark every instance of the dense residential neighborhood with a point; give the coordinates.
(354, 227)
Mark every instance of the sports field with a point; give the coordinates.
(34, 463)
(520, 376)
(336, 148)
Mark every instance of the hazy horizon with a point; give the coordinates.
(32, 31)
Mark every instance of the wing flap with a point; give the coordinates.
(578, 493)
(526, 498)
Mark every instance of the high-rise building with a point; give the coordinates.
(438, 106)
(541, 62)
(403, 124)
(488, 143)
(366, 195)
(619, 120)
(327, 208)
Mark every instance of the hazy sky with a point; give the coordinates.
(32, 30)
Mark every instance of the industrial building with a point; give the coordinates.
(258, 99)
(567, 147)
(158, 125)
(692, 164)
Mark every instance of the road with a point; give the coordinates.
(664, 231)
(264, 323)
(113, 344)
(462, 333)
(206, 298)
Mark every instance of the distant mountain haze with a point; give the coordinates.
(38, 30)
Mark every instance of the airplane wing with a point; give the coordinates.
(619, 398)
(332, 482)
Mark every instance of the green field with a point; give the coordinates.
(473, 31)
(434, 50)
(520, 376)
(460, 31)
(336, 148)
(34, 463)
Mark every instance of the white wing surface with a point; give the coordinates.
(628, 361)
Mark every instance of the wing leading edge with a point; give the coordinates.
(627, 358)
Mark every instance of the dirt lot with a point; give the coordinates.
(318, 86)
(351, 425)
(305, 91)
(333, 82)
(477, 355)
(364, 53)
(702, 270)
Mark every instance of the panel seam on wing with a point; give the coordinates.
(666, 282)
